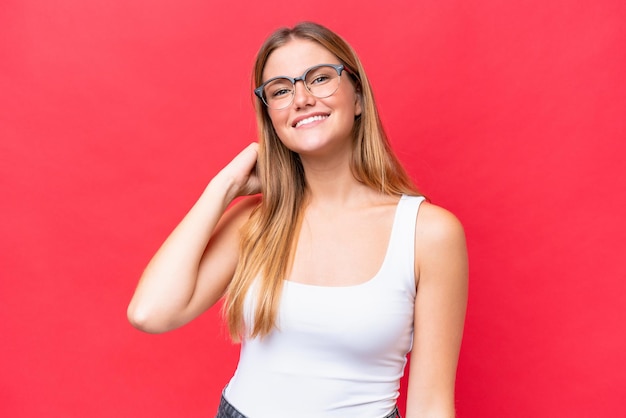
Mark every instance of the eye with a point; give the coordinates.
(278, 89)
(319, 78)
(280, 92)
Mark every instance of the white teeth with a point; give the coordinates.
(309, 120)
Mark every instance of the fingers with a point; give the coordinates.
(253, 185)
(248, 156)
(240, 173)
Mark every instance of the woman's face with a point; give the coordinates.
(312, 126)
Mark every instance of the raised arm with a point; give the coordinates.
(441, 273)
(191, 270)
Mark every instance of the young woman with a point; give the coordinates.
(333, 268)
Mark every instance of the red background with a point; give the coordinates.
(115, 114)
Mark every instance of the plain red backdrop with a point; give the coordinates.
(115, 114)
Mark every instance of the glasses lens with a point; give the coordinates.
(277, 94)
(322, 81)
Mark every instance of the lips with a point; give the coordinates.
(309, 119)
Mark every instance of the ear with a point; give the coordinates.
(358, 101)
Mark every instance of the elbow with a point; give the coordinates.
(145, 320)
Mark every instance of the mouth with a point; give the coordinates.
(308, 120)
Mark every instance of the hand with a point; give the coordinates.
(240, 173)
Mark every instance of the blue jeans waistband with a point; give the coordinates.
(226, 410)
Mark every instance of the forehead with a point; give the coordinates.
(293, 58)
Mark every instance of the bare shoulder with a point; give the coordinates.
(435, 223)
(439, 240)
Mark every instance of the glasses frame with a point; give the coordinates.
(338, 67)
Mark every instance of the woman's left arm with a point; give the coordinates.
(441, 273)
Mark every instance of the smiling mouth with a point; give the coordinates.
(310, 120)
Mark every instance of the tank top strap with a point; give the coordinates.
(401, 250)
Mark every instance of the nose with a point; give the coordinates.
(301, 96)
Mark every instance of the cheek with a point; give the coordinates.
(277, 123)
(352, 99)
(277, 119)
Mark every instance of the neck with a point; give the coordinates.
(331, 182)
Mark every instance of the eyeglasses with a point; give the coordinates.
(321, 81)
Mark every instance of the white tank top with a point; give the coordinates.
(338, 351)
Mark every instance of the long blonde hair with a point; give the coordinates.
(269, 236)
